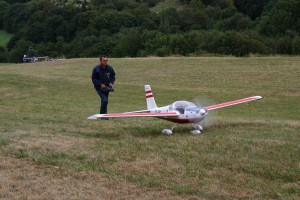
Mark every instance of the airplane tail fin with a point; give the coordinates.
(149, 98)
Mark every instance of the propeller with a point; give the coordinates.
(211, 117)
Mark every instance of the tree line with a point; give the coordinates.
(134, 28)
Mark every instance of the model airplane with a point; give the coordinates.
(177, 112)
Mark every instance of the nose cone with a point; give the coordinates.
(203, 111)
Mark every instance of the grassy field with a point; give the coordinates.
(4, 38)
(48, 150)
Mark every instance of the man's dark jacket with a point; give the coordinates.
(103, 75)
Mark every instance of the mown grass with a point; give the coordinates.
(4, 38)
(247, 151)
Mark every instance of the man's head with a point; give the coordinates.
(103, 60)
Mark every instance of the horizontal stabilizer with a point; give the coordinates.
(231, 103)
(96, 116)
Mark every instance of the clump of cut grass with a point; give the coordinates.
(4, 142)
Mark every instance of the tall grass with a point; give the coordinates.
(247, 151)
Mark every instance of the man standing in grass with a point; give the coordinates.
(103, 77)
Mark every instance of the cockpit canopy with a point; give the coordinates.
(181, 106)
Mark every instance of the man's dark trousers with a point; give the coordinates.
(104, 101)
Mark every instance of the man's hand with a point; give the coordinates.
(103, 86)
(110, 85)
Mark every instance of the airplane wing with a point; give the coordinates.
(132, 114)
(231, 103)
(139, 111)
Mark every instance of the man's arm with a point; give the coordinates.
(112, 76)
(95, 78)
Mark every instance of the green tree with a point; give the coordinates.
(54, 27)
(35, 32)
(144, 18)
(296, 45)
(158, 45)
(179, 45)
(195, 41)
(2, 55)
(20, 49)
(16, 17)
(4, 7)
(218, 3)
(114, 21)
(169, 21)
(285, 16)
(284, 45)
(129, 42)
(83, 20)
(234, 43)
(193, 15)
(51, 49)
(251, 8)
(236, 22)
(17, 1)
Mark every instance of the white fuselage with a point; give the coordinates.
(188, 112)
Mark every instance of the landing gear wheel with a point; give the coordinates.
(198, 127)
(195, 132)
(167, 131)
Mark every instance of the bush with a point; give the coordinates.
(179, 45)
(234, 43)
(158, 45)
(129, 42)
(296, 45)
(283, 45)
(20, 49)
(2, 55)
(53, 50)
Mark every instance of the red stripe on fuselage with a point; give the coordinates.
(181, 121)
(163, 114)
(149, 91)
(149, 96)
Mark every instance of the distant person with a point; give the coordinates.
(25, 59)
(103, 77)
(31, 54)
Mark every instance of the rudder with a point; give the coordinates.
(149, 98)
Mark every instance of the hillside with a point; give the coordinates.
(129, 28)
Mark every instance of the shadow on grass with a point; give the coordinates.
(128, 131)
(153, 130)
